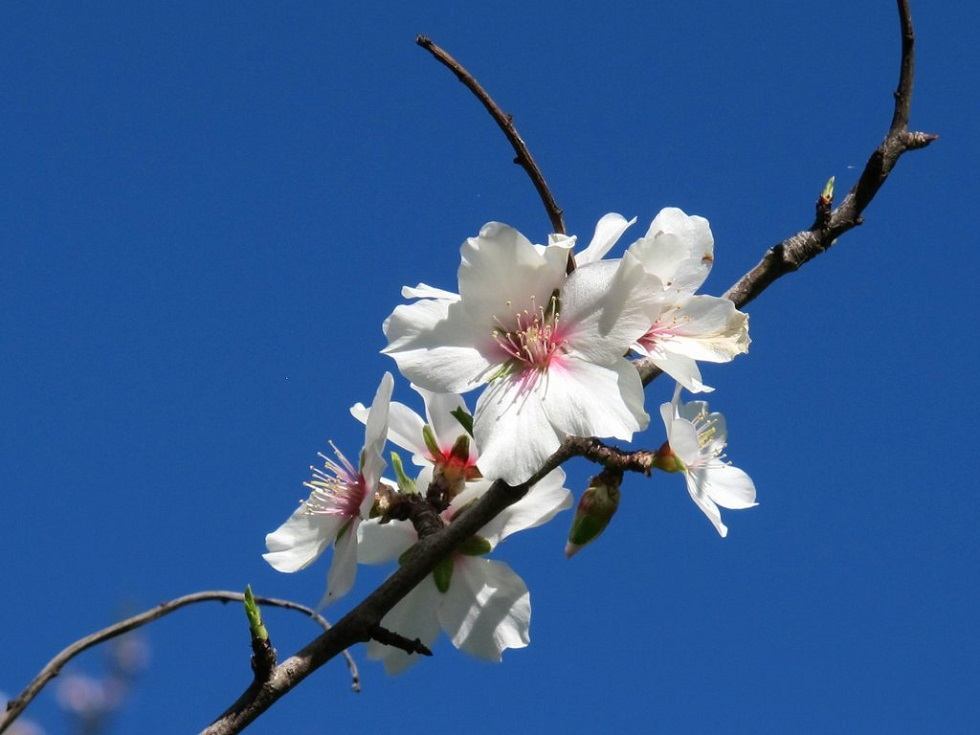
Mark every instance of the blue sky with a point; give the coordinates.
(208, 210)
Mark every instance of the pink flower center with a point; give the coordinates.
(535, 338)
(653, 336)
(337, 489)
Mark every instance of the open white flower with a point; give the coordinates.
(695, 446)
(678, 251)
(483, 606)
(406, 428)
(340, 498)
(550, 346)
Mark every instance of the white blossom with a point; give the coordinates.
(550, 346)
(678, 251)
(697, 440)
(486, 607)
(340, 498)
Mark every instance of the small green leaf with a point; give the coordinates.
(443, 574)
(828, 190)
(474, 546)
(430, 442)
(465, 419)
(255, 626)
(405, 483)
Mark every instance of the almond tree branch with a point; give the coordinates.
(524, 158)
(793, 252)
(359, 624)
(53, 667)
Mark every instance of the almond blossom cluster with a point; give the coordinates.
(549, 337)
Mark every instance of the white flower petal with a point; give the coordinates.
(425, 291)
(439, 409)
(408, 321)
(726, 485)
(683, 439)
(682, 369)
(711, 425)
(584, 399)
(605, 307)
(608, 230)
(541, 503)
(375, 435)
(678, 249)
(706, 505)
(343, 566)
(413, 617)
(474, 490)
(512, 430)
(501, 275)
(404, 426)
(447, 355)
(705, 328)
(378, 543)
(301, 539)
(486, 609)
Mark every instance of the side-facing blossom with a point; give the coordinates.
(482, 605)
(695, 446)
(678, 251)
(550, 346)
(341, 497)
(407, 429)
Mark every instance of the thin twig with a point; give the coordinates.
(612, 458)
(506, 124)
(53, 667)
(793, 252)
(358, 624)
(396, 640)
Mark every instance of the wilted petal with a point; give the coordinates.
(413, 617)
(512, 430)
(705, 328)
(301, 539)
(486, 609)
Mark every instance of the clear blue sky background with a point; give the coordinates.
(208, 209)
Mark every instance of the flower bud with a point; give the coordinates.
(595, 509)
(461, 449)
(666, 460)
